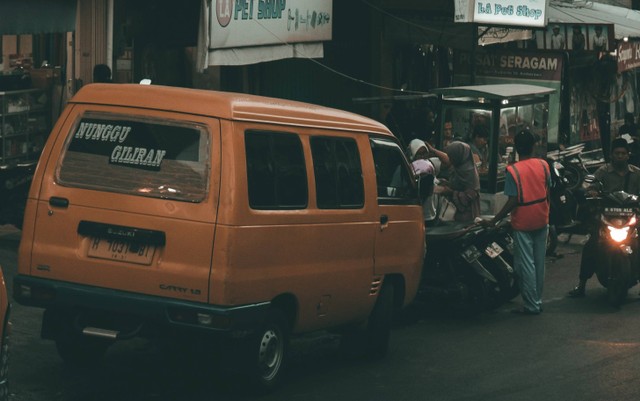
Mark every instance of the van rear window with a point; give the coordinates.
(146, 157)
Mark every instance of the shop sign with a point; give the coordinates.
(502, 35)
(628, 55)
(538, 66)
(525, 13)
(242, 23)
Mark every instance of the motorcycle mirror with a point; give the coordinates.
(425, 186)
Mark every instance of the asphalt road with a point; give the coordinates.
(579, 350)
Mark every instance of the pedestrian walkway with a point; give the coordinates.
(9, 232)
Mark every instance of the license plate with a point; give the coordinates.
(620, 211)
(471, 254)
(123, 251)
(493, 250)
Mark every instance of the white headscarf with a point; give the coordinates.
(414, 146)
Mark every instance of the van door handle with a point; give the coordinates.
(384, 221)
(59, 202)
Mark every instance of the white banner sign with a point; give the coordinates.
(526, 13)
(241, 23)
(464, 10)
(502, 35)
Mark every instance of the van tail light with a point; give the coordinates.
(28, 292)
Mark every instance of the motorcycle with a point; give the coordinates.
(617, 214)
(15, 182)
(469, 266)
(566, 211)
(576, 163)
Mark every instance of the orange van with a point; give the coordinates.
(5, 331)
(157, 209)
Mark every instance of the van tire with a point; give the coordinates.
(373, 340)
(79, 351)
(266, 352)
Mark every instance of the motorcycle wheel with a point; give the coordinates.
(619, 277)
(573, 176)
(552, 240)
(507, 287)
(475, 298)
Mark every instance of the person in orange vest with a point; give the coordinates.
(527, 187)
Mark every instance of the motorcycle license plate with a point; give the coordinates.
(493, 250)
(471, 254)
(619, 211)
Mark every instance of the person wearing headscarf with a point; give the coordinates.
(423, 165)
(463, 186)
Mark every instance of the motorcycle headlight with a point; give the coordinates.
(618, 234)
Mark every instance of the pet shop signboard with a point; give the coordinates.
(525, 13)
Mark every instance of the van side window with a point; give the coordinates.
(276, 172)
(338, 173)
(394, 179)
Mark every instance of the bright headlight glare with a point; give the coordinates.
(618, 234)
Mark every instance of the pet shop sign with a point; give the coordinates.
(524, 13)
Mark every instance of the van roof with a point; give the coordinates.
(226, 105)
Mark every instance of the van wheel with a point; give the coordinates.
(266, 353)
(79, 350)
(373, 340)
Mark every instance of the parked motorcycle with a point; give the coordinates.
(15, 182)
(577, 163)
(469, 266)
(574, 169)
(566, 211)
(617, 214)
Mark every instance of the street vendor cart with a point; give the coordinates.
(503, 110)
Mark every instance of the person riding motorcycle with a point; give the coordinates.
(618, 175)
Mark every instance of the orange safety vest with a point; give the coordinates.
(532, 182)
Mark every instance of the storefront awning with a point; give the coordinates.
(495, 92)
(420, 28)
(37, 16)
(626, 21)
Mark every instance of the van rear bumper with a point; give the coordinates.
(237, 321)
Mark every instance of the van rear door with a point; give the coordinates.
(128, 201)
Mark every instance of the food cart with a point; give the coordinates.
(503, 110)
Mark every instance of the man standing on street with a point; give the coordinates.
(527, 186)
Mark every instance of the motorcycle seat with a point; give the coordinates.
(447, 230)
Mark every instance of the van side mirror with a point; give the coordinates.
(425, 186)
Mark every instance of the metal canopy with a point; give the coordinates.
(494, 92)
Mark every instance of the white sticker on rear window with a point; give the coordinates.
(141, 156)
(134, 144)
